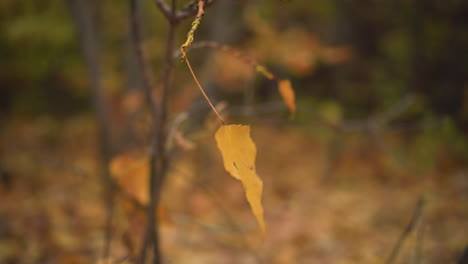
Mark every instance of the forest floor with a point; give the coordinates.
(326, 200)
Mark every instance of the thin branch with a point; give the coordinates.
(174, 17)
(419, 243)
(149, 236)
(143, 64)
(233, 52)
(187, 44)
(164, 8)
(376, 122)
(203, 91)
(409, 227)
(166, 83)
(159, 159)
(395, 110)
(191, 10)
(193, 29)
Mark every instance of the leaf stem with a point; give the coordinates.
(188, 42)
(184, 56)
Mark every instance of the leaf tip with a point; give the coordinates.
(287, 93)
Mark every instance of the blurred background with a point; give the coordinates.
(373, 169)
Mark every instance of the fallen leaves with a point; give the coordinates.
(239, 152)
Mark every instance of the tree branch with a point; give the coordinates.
(137, 42)
(165, 9)
(150, 235)
(159, 157)
(412, 223)
(191, 10)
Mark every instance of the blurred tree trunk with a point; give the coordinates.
(84, 18)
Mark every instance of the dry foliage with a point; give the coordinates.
(239, 153)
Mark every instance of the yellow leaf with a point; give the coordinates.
(286, 91)
(239, 152)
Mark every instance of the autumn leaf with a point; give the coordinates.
(239, 152)
(289, 98)
(131, 172)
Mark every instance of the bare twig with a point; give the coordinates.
(177, 16)
(233, 52)
(143, 64)
(203, 91)
(164, 8)
(377, 121)
(394, 111)
(174, 129)
(158, 154)
(345, 126)
(193, 29)
(91, 51)
(419, 243)
(159, 160)
(191, 9)
(409, 227)
(148, 87)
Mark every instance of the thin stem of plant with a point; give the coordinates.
(408, 229)
(183, 48)
(195, 24)
(189, 10)
(203, 91)
(150, 235)
(263, 70)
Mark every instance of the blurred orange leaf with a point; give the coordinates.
(239, 152)
(131, 173)
(286, 91)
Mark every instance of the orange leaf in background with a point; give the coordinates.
(239, 152)
(131, 173)
(132, 101)
(289, 98)
(335, 55)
